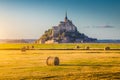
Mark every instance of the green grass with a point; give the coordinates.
(60, 46)
(75, 64)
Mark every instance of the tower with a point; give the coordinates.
(66, 19)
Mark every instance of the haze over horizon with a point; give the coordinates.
(29, 19)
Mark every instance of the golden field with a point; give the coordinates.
(74, 65)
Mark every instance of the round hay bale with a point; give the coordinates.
(27, 47)
(32, 47)
(107, 48)
(87, 48)
(77, 47)
(52, 61)
(23, 49)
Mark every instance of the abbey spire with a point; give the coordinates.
(66, 19)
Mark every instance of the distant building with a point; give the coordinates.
(65, 25)
(65, 32)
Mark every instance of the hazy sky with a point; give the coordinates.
(26, 19)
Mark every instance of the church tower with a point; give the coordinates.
(66, 19)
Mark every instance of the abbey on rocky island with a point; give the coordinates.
(66, 26)
(65, 32)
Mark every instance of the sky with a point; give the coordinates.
(29, 19)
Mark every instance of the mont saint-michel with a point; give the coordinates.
(65, 32)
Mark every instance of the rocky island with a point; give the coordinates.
(65, 32)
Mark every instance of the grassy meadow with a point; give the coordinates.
(61, 46)
(74, 64)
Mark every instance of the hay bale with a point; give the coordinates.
(23, 49)
(77, 47)
(32, 47)
(87, 48)
(52, 61)
(107, 48)
(27, 47)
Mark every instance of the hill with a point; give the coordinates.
(65, 32)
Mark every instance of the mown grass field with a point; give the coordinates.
(74, 64)
(61, 46)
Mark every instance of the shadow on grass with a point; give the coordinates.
(110, 76)
(48, 77)
(39, 78)
(85, 76)
(92, 65)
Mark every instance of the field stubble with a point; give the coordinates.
(74, 65)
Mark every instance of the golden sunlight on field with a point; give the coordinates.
(3, 31)
(74, 64)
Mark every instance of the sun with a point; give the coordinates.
(3, 31)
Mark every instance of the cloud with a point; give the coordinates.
(106, 26)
